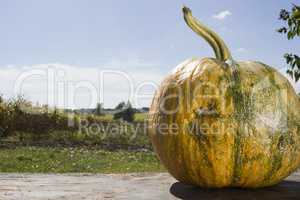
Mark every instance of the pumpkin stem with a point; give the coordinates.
(221, 51)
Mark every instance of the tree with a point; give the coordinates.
(291, 30)
(126, 112)
(99, 109)
(120, 106)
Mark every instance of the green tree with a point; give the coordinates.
(99, 109)
(292, 30)
(126, 112)
(120, 106)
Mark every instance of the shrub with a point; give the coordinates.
(126, 113)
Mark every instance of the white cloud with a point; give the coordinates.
(222, 15)
(241, 50)
(76, 86)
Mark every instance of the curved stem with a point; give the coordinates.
(220, 48)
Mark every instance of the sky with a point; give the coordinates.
(75, 53)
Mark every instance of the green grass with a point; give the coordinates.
(69, 160)
(107, 117)
(140, 117)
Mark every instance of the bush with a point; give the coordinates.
(24, 124)
(99, 109)
(126, 113)
(19, 115)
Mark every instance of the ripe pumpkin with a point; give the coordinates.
(219, 123)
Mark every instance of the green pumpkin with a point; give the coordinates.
(215, 122)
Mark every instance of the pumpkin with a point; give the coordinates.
(215, 122)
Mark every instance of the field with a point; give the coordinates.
(138, 117)
(41, 139)
(69, 160)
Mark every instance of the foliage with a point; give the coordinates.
(99, 109)
(39, 139)
(120, 106)
(291, 30)
(126, 112)
(19, 115)
(23, 124)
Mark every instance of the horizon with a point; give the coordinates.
(56, 50)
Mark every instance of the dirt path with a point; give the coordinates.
(130, 187)
(84, 186)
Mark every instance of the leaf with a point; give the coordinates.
(288, 58)
(296, 13)
(282, 30)
(290, 22)
(285, 55)
(297, 76)
(292, 30)
(290, 35)
(293, 64)
(298, 62)
(289, 72)
(284, 15)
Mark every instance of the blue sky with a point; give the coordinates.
(135, 36)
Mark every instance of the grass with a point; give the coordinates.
(140, 117)
(35, 140)
(107, 117)
(71, 160)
